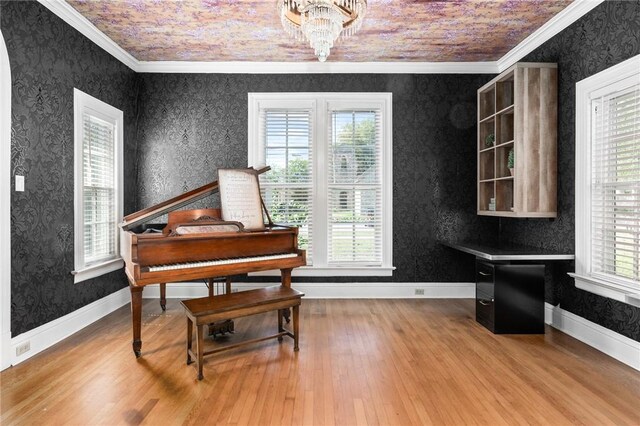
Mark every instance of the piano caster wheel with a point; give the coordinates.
(137, 347)
(280, 339)
(200, 377)
(164, 307)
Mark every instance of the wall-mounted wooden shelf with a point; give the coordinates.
(517, 111)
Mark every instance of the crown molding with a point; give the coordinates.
(562, 20)
(67, 13)
(318, 67)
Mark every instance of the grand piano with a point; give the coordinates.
(197, 244)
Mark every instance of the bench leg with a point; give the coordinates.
(200, 348)
(280, 328)
(189, 339)
(296, 316)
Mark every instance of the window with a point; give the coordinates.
(98, 186)
(330, 158)
(608, 183)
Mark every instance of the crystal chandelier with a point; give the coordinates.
(321, 22)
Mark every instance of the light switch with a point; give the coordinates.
(19, 183)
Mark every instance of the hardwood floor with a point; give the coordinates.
(360, 362)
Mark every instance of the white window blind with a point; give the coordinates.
(615, 186)
(354, 188)
(287, 189)
(99, 190)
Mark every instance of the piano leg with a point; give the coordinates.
(286, 277)
(210, 284)
(227, 288)
(296, 327)
(286, 281)
(136, 317)
(163, 296)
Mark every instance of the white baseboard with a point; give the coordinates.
(335, 290)
(6, 350)
(611, 343)
(49, 334)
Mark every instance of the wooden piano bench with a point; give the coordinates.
(200, 312)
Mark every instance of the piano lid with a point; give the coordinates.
(134, 219)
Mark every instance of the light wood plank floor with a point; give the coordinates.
(363, 362)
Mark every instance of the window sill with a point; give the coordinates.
(97, 270)
(608, 289)
(309, 271)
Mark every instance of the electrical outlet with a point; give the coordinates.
(419, 292)
(19, 183)
(22, 348)
(234, 290)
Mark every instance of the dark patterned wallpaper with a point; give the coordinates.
(606, 36)
(48, 59)
(191, 124)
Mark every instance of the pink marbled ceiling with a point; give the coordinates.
(250, 30)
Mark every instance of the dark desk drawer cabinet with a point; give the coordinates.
(510, 297)
(485, 291)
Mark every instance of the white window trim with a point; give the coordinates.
(82, 102)
(586, 90)
(320, 102)
(5, 206)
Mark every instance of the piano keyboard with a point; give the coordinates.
(216, 262)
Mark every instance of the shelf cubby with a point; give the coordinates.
(504, 127)
(486, 165)
(486, 128)
(486, 191)
(502, 157)
(504, 93)
(487, 103)
(504, 195)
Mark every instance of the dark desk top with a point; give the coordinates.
(508, 252)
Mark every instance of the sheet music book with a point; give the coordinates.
(240, 197)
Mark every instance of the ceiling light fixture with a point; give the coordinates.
(321, 22)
